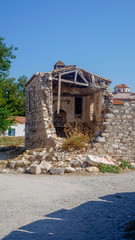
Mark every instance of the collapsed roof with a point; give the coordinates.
(74, 75)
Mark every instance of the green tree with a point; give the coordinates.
(5, 120)
(6, 58)
(21, 81)
(12, 95)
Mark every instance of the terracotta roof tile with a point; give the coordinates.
(117, 102)
(18, 119)
(121, 86)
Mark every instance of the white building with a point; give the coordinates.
(18, 129)
(122, 93)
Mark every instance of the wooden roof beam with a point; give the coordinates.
(72, 82)
(81, 75)
(59, 93)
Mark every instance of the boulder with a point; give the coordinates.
(20, 170)
(35, 163)
(60, 157)
(109, 116)
(50, 150)
(92, 169)
(57, 171)
(6, 170)
(35, 169)
(79, 169)
(76, 163)
(54, 159)
(31, 158)
(44, 156)
(96, 160)
(69, 170)
(85, 165)
(12, 164)
(26, 156)
(68, 159)
(133, 165)
(34, 153)
(42, 153)
(45, 166)
(61, 164)
(27, 170)
(58, 147)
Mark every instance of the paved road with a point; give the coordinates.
(66, 207)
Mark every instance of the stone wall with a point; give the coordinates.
(118, 137)
(39, 113)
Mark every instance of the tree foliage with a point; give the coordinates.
(12, 91)
(12, 95)
(6, 57)
(5, 120)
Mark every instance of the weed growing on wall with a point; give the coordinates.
(76, 138)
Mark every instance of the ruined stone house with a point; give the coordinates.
(67, 94)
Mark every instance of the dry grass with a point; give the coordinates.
(76, 138)
(12, 141)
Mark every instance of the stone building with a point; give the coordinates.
(67, 94)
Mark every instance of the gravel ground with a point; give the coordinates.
(66, 207)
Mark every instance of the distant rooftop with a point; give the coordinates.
(121, 86)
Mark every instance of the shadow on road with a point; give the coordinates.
(93, 220)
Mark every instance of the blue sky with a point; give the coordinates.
(97, 35)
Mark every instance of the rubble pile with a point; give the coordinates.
(54, 161)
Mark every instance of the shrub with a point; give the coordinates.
(76, 139)
(108, 168)
(125, 164)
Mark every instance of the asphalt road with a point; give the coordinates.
(66, 207)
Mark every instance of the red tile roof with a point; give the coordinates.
(121, 86)
(18, 119)
(117, 102)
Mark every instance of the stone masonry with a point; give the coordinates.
(39, 113)
(118, 137)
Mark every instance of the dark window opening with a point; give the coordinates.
(78, 105)
(59, 67)
(11, 132)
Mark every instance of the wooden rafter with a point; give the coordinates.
(75, 78)
(65, 73)
(81, 75)
(72, 82)
(93, 79)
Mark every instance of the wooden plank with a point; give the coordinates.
(93, 79)
(98, 105)
(75, 78)
(59, 93)
(81, 75)
(65, 73)
(72, 82)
